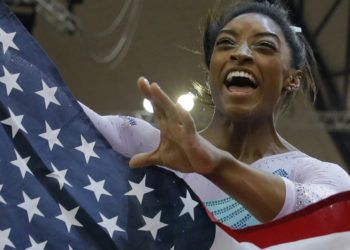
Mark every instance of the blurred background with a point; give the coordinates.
(102, 47)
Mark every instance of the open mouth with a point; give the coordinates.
(240, 81)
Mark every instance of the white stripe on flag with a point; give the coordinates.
(223, 241)
(336, 241)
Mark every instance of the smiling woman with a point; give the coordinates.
(242, 169)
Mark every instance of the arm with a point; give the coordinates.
(126, 135)
(181, 148)
(262, 194)
(312, 182)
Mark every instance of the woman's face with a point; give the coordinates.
(249, 67)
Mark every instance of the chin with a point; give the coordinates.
(245, 113)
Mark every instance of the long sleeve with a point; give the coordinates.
(127, 135)
(311, 183)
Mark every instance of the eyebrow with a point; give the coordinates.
(260, 34)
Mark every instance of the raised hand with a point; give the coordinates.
(181, 147)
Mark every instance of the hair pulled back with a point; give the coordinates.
(302, 57)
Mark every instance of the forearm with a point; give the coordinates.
(262, 194)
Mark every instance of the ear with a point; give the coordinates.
(293, 81)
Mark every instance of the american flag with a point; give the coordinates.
(61, 184)
(63, 187)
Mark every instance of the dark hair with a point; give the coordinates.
(302, 57)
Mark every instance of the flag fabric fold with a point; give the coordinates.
(326, 221)
(61, 184)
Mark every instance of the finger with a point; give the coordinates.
(186, 118)
(143, 160)
(164, 102)
(144, 87)
(159, 111)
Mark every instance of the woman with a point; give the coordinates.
(239, 166)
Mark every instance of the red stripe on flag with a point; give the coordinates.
(325, 217)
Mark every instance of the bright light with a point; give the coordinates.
(186, 101)
(147, 105)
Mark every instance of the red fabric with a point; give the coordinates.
(328, 216)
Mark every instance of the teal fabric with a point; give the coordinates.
(231, 213)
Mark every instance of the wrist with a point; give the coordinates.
(224, 160)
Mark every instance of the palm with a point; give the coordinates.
(181, 147)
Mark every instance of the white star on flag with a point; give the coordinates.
(87, 149)
(68, 217)
(31, 206)
(36, 246)
(189, 205)
(110, 225)
(7, 40)
(4, 239)
(48, 94)
(97, 188)
(15, 122)
(60, 176)
(10, 81)
(153, 224)
(1, 199)
(51, 136)
(22, 164)
(139, 189)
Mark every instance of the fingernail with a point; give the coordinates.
(142, 78)
(146, 80)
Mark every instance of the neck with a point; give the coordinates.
(247, 140)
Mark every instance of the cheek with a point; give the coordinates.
(213, 74)
(273, 72)
(217, 61)
(213, 67)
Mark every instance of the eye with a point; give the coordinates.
(225, 42)
(266, 45)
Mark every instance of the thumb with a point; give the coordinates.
(143, 160)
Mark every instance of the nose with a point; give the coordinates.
(242, 54)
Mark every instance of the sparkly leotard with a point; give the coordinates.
(306, 179)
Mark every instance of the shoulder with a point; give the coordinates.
(305, 163)
(309, 169)
(301, 162)
(302, 168)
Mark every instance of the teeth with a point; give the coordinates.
(240, 74)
